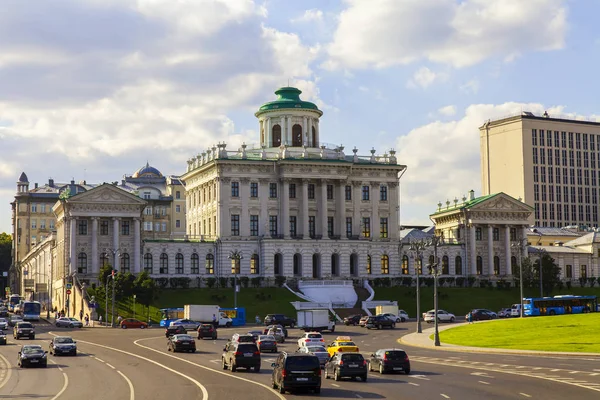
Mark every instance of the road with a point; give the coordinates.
(134, 364)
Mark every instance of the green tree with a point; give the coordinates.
(145, 289)
(550, 273)
(528, 273)
(5, 256)
(124, 285)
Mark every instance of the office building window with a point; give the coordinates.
(82, 263)
(329, 192)
(125, 263)
(383, 228)
(348, 226)
(254, 225)
(178, 195)
(177, 223)
(254, 264)
(385, 264)
(82, 227)
(311, 191)
(495, 234)
(583, 271)
(235, 225)
(179, 263)
(148, 263)
(235, 189)
(534, 137)
(365, 192)
(383, 192)
(293, 232)
(329, 226)
(312, 226)
(125, 228)
(292, 191)
(164, 264)
(272, 190)
(366, 227)
(195, 259)
(477, 233)
(369, 264)
(568, 271)
(570, 140)
(254, 189)
(273, 225)
(348, 193)
(103, 228)
(535, 155)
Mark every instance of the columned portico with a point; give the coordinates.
(304, 214)
(72, 244)
(473, 249)
(490, 229)
(507, 252)
(136, 245)
(323, 209)
(115, 260)
(95, 268)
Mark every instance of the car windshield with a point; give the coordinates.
(63, 340)
(352, 357)
(182, 337)
(247, 348)
(264, 338)
(25, 325)
(302, 363)
(395, 355)
(73, 319)
(346, 344)
(32, 350)
(316, 349)
(314, 336)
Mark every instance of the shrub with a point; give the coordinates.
(256, 281)
(592, 282)
(162, 282)
(211, 282)
(471, 281)
(582, 282)
(568, 283)
(460, 281)
(483, 283)
(407, 281)
(386, 282)
(232, 282)
(223, 282)
(279, 280)
(245, 281)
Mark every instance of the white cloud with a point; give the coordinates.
(383, 33)
(471, 86)
(448, 110)
(425, 77)
(310, 15)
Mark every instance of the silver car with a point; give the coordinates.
(3, 324)
(68, 322)
(278, 334)
(188, 324)
(319, 351)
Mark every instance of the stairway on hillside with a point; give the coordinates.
(363, 294)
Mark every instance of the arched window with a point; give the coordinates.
(385, 264)
(496, 265)
(445, 266)
(236, 265)
(164, 264)
(335, 264)
(277, 264)
(514, 268)
(276, 132)
(148, 263)
(125, 263)
(419, 262)
(297, 264)
(314, 137)
(458, 265)
(254, 264)
(368, 262)
(297, 136)
(103, 260)
(195, 263)
(179, 263)
(82, 263)
(316, 265)
(479, 265)
(210, 264)
(431, 261)
(405, 265)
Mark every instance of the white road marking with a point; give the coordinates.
(110, 366)
(419, 377)
(594, 374)
(520, 366)
(484, 374)
(554, 370)
(66, 378)
(573, 372)
(444, 395)
(333, 384)
(536, 368)
(414, 384)
(358, 395)
(8, 374)
(131, 391)
(525, 394)
(595, 370)
(484, 382)
(99, 359)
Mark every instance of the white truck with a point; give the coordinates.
(202, 313)
(391, 309)
(315, 321)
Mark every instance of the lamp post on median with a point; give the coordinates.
(114, 253)
(520, 245)
(418, 246)
(235, 257)
(435, 271)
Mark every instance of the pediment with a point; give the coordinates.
(502, 202)
(106, 194)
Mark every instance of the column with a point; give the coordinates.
(263, 219)
(72, 245)
(136, 245)
(288, 133)
(219, 208)
(269, 134)
(394, 200)
(341, 209)
(490, 230)
(323, 209)
(374, 193)
(304, 214)
(284, 210)
(524, 236)
(507, 249)
(245, 217)
(304, 130)
(115, 260)
(316, 122)
(356, 202)
(309, 132)
(95, 268)
(473, 249)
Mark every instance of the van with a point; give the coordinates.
(515, 310)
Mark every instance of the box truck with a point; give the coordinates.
(386, 309)
(204, 313)
(315, 320)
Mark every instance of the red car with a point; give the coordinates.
(133, 323)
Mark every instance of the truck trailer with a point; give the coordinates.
(204, 314)
(315, 321)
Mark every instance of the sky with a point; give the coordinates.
(92, 89)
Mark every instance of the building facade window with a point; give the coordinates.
(583, 271)
(254, 264)
(383, 192)
(445, 265)
(405, 265)
(329, 226)
(148, 263)
(478, 235)
(479, 265)
(458, 265)
(104, 228)
(195, 259)
(368, 264)
(104, 260)
(365, 192)
(235, 225)
(312, 226)
(82, 263)
(235, 189)
(273, 225)
(496, 265)
(164, 264)
(329, 192)
(348, 226)
(272, 190)
(366, 227)
(385, 264)
(125, 228)
(348, 192)
(292, 191)
(254, 225)
(383, 228)
(293, 227)
(34, 224)
(311, 191)
(496, 234)
(82, 227)
(210, 264)
(253, 189)
(568, 271)
(179, 263)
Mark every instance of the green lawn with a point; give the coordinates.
(572, 333)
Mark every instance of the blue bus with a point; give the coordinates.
(13, 301)
(168, 315)
(31, 310)
(558, 305)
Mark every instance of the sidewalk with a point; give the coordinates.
(423, 340)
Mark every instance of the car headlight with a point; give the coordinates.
(19, 331)
(44, 356)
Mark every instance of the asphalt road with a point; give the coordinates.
(135, 364)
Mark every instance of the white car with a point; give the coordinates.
(311, 339)
(3, 324)
(401, 317)
(443, 316)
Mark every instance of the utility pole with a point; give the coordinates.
(114, 253)
(418, 246)
(436, 272)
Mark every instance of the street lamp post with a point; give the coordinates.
(235, 257)
(418, 246)
(520, 245)
(134, 296)
(112, 317)
(106, 300)
(436, 272)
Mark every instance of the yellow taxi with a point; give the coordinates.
(342, 344)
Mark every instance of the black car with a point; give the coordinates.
(241, 355)
(23, 329)
(274, 319)
(342, 365)
(3, 339)
(352, 320)
(207, 331)
(296, 371)
(63, 345)
(181, 343)
(380, 322)
(32, 356)
(389, 360)
(3, 312)
(175, 330)
(243, 338)
(478, 315)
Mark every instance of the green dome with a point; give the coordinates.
(287, 97)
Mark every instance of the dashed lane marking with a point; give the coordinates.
(99, 359)
(444, 395)
(525, 394)
(358, 395)
(8, 373)
(334, 384)
(414, 384)
(130, 384)
(65, 384)
(110, 366)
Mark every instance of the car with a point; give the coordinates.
(352, 319)
(181, 342)
(274, 319)
(68, 322)
(443, 316)
(3, 323)
(515, 310)
(256, 334)
(389, 360)
(241, 355)
(478, 315)
(346, 365)
(242, 338)
(318, 350)
(24, 329)
(490, 312)
(188, 324)
(310, 338)
(296, 371)
(285, 332)
(14, 319)
(342, 344)
(504, 313)
(32, 356)
(363, 320)
(380, 322)
(132, 323)
(175, 330)
(3, 312)
(401, 317)
(63, 345)
(3, 338)
(266, 343)
(277, 333)
(207, 331)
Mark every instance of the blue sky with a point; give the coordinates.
(91, 89)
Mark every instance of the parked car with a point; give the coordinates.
(241, 355)
(3, 339)
(3, 323)
(243, 338)
(133, 323)
(285, 332)
(401, 317)
(188, 324)
(207, 331)
(352, 319)
(296, 371)
(380, 322)
(32, 356)
(274, 319)
(175, 330)
(490, 312)
(363, 320)
(504, 313)
(443, 316)
(63, 345)
(181, 342)
(267, 343)
(389, 360)
(67, 322)
(346, 365)
(278, 334)
(24, 329)
(318, 350)
(311, 338)
(478, 315)
(515, 310)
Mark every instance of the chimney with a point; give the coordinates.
(471, 195)
(51, 182)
